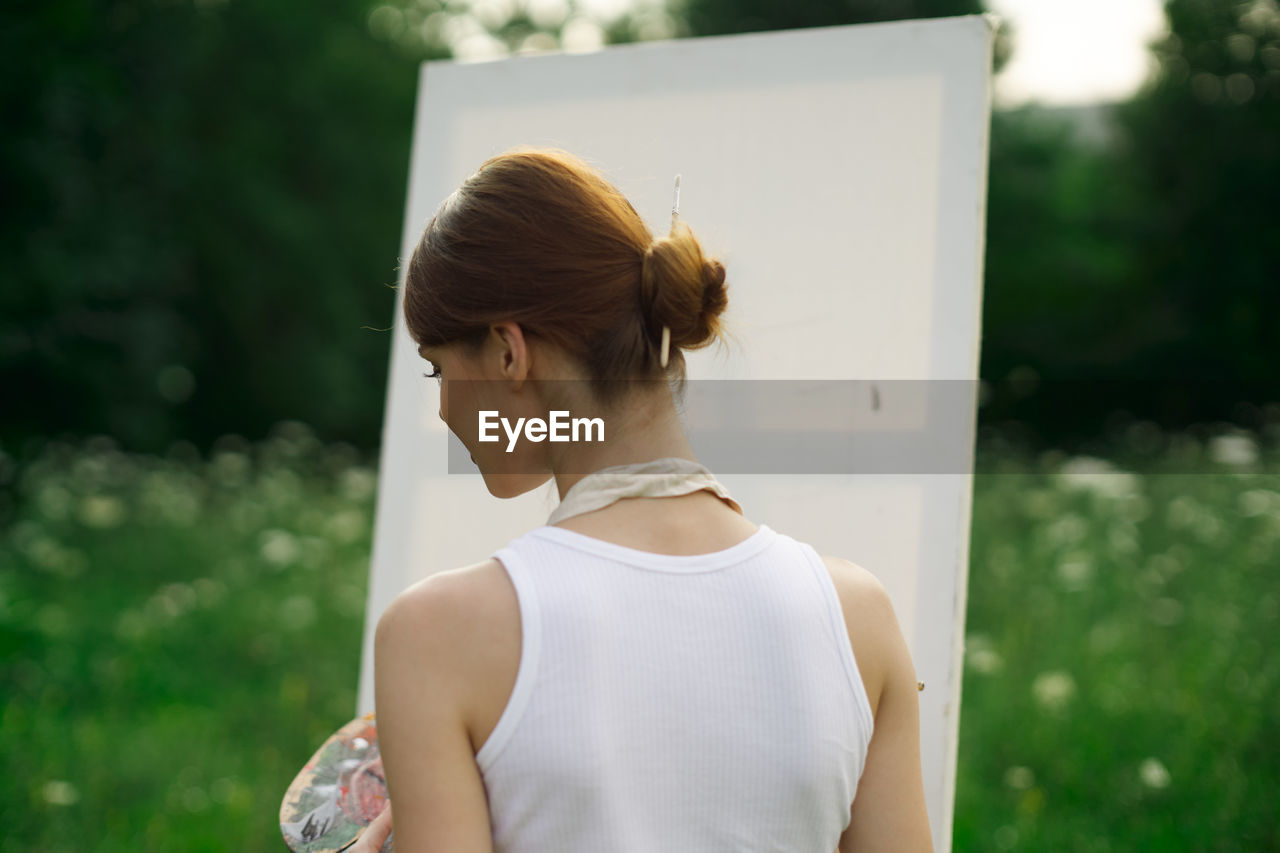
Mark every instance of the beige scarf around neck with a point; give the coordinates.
(657, 478)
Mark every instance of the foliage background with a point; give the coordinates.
(202, 206)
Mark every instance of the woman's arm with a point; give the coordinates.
(888, 812)
(424, 650)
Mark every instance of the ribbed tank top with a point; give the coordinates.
(675, 703)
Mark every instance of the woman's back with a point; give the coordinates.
(706, 700)
(588, 695)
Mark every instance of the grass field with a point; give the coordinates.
(178, 634)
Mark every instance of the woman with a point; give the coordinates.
(650, 671)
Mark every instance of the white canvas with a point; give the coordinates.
(840, 173)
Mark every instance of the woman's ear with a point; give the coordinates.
(510, 355)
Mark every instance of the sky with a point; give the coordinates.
(1076, 51)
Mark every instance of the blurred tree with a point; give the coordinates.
(1053, 253)
(1204, 143)
(202, 202)
(1063, 309)
(201, 210)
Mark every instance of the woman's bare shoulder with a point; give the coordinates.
(467, 589)
(465, 623)
(869, 619)
(450, 609)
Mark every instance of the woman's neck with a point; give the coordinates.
(647, 431)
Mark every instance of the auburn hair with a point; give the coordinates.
(540, 238)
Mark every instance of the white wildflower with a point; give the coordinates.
(59, 792)
(1233, 449)
(1019, 778)
(1075, 571)
(1154, 774)
(279, 547)
(1088, 473)
(357, 483)
(297, 612)
(1259, 502)
(1053, 689)
(101, 511)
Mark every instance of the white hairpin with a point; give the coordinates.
(666, 331)
(675, 206)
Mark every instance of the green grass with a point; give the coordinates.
(177, 635)
(1122, 688)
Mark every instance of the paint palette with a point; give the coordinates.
(338, 793)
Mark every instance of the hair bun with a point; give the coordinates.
(683, 290)
(715, 294)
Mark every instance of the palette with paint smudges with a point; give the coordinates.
(338, 793)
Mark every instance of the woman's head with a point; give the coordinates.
(536, 270)
(539, 238)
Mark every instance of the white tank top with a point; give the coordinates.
(675, 703)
